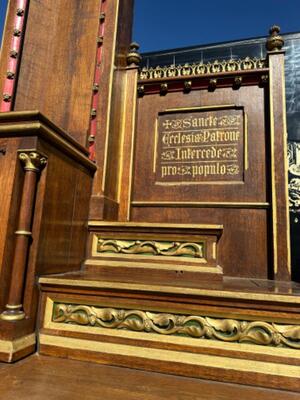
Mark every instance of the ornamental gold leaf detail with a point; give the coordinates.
(150, 247)
(198, 327)
(198, 69)
(32, 161)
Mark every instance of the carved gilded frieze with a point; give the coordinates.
(224, 330)
(150, 247)
(198, 69)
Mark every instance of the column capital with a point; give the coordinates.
(32, 160)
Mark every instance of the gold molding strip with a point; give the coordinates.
(193, 326)
(282, 352)
(152, 225)
(246, 155)
(227, 363)
(226, 294)
(273, 175)
(285, 152)
(200, 108)
(204, 204)
(199, 69)
(155, 145)
(23, 233)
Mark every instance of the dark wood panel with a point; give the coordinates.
(251, 189)
(59, 231)
(56, 379)
(53, 77)
(243, 247)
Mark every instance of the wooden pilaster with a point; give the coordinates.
(279, 168)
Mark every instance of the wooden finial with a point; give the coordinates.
(275, 42)
(133, 56)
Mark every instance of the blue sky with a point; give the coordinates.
(163, 24)
(3, 4)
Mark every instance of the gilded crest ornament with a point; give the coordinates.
(198, 69)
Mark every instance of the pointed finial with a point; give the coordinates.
(275, 42)
(133, 56)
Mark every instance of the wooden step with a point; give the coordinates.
(49, 378)
(240, 331)
(185, 254)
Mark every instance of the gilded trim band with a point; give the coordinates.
(198, 69)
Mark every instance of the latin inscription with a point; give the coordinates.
(201, 146)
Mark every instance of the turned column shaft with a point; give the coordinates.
(23, 237)
(32, 163)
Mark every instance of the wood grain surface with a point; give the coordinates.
(47, 378)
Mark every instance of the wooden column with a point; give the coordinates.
(279, 168)
(33, 163)
(128, 131)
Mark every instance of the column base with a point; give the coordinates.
(13, 313)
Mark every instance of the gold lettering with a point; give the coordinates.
(196, 147)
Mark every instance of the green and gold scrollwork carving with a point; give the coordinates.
(224, 330)
(149, 247)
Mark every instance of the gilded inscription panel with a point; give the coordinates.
(200, 146)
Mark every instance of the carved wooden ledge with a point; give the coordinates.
(156, 251)
(30, 125)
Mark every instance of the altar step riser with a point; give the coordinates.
(174, 362)
(135, 273)
(136, 331)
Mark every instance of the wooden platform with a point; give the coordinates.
(237, 331)
(47, 378)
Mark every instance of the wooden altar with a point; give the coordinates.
(145, 219)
